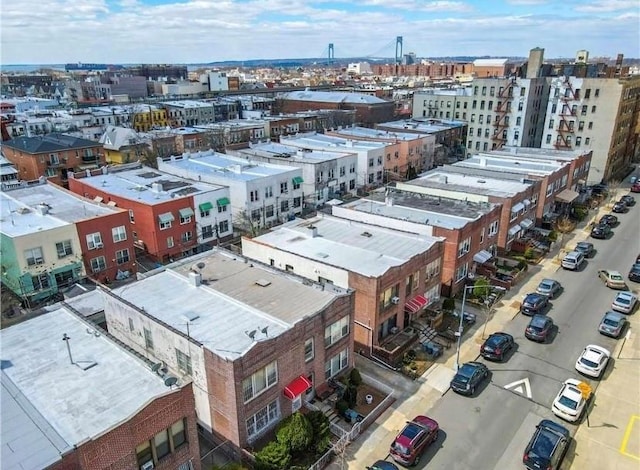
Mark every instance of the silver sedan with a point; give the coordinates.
(549, 287)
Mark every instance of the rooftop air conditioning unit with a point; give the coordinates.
(395, 300)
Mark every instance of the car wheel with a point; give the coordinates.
(417, 460)
(473, 390)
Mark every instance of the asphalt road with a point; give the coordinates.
(491, 429)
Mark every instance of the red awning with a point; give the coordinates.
(415, 304)
(296, 387)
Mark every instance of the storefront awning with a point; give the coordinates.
(482, 256)
(205, 206)
(186, 212)
(526, 224)
(297, 387)
(223, 201)
(415, 304)
(297, 180)
(518, 207)
(567, 195)
(166, 218)
(513, 231)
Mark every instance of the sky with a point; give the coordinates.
(201, 31)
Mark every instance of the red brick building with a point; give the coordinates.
(52, 156)
(107, 408)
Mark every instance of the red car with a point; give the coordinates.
(413, 440)
(635, 188)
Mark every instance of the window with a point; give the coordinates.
(581, 125)
(388, 295)
(578, 141)
(587, 141)
(253, 195)
(461, 272)
(269, 211)
(593, 108)
(432, 270)
(583, 111)
(352, 168)
(337, 363)
(185, 219)
(297, 201)
(122, 256)
(223, 226)
(464, 247)
(170, 243)
(221, 209)
(260, 381)
(268, 192)
(148, 339)
(284, 187)
(165, 225)
(343, 169)
(178, 434)
(308, 350)
(186, 237)
(64, 248)
(284, 206)
(262, 419)
(144, 454)
(518, 121)
(119, 234)
(161, 444)
(590, 126)
(40, 281)
(131, 217)
(493, 228)
(94, 241)
(587, 93)
(551, 123)
(597, 93)
(548, 138)
(98, 264)
(352, 184)
(184, 362)
(336, 331)
(207, 231)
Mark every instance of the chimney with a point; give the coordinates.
(536, 58)
(156, 187)
(195, 278)
(313, 230)
(42, 209)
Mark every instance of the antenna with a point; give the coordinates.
(66, 339)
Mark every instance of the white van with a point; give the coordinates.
(573, 260)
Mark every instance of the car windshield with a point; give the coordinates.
(623, 300)
(610, 322)
(494, 341)
(588, 363)
(400, 449)
(615, 277)
(568, 402)
(546, 285)
(465, 373)
(538, 322)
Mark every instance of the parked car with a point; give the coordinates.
(573, 260)
(534, 303)
(612, 324)
(629, 200)
(608, 219)
(468, 377)
(571, 400)
(547, 446)
(383, 465)
(497, 346)
(619, 208)
(634, 273)
(593, 361)
(549, 287)
(612, 279)
(586, 248)
(416, 436)
(635, 188)
(539, 328)
(601, 232)
(625, 302)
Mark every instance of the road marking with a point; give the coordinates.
(627, 436)
(522, 386)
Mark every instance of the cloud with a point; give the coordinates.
(601, 6)
(527, 2)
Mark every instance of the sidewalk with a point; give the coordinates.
(417, 397)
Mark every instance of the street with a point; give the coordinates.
(491, 429)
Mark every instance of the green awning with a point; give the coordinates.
(186, 212)
(166, 218)
(223, 201)
(205, 206)
(297, 180)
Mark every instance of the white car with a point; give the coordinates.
(624, 302)
(571, 400)
(593, 361)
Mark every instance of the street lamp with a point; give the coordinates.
(460, 326)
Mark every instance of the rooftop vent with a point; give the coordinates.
(263, 282)
(481, 181)
(23, 210)
(366, 234)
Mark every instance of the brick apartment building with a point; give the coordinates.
(105, 409)
(52, 156)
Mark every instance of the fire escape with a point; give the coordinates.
(567, 117)
(502, 110)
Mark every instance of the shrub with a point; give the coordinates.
(295, 433)
(274, 456)
(580, 213)
(553, 236)
(321, 433)
(530, 253)
(448, 304)
(351, 395)
(481, 288)
(342, 406)
(355, 378)
(409, 357)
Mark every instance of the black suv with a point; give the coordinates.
(601, 231)
(547, 446)
(534, 303)
(608, 219)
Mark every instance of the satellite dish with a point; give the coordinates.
(156, 367)
(264, 330)
(171, 380)
(251, 334)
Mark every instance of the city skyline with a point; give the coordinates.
(201, 31)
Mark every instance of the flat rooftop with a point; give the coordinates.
(486, 173)
(319, 141)
(50, 405)
(443, 180)
(511, 164)
(425, 126)
(17, 218)
(378, 134)
(236, 295)
(538, 153)
(226, 167)
(450, 214)
(188, 104)
(333, 97)
(289, 152)
(138, 184)
(353, 246)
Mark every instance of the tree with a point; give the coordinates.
(448, 304)
(355, 378)
(321, 432)
(295, 433)
(481, 288)
(274, 456)
(351, 395)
